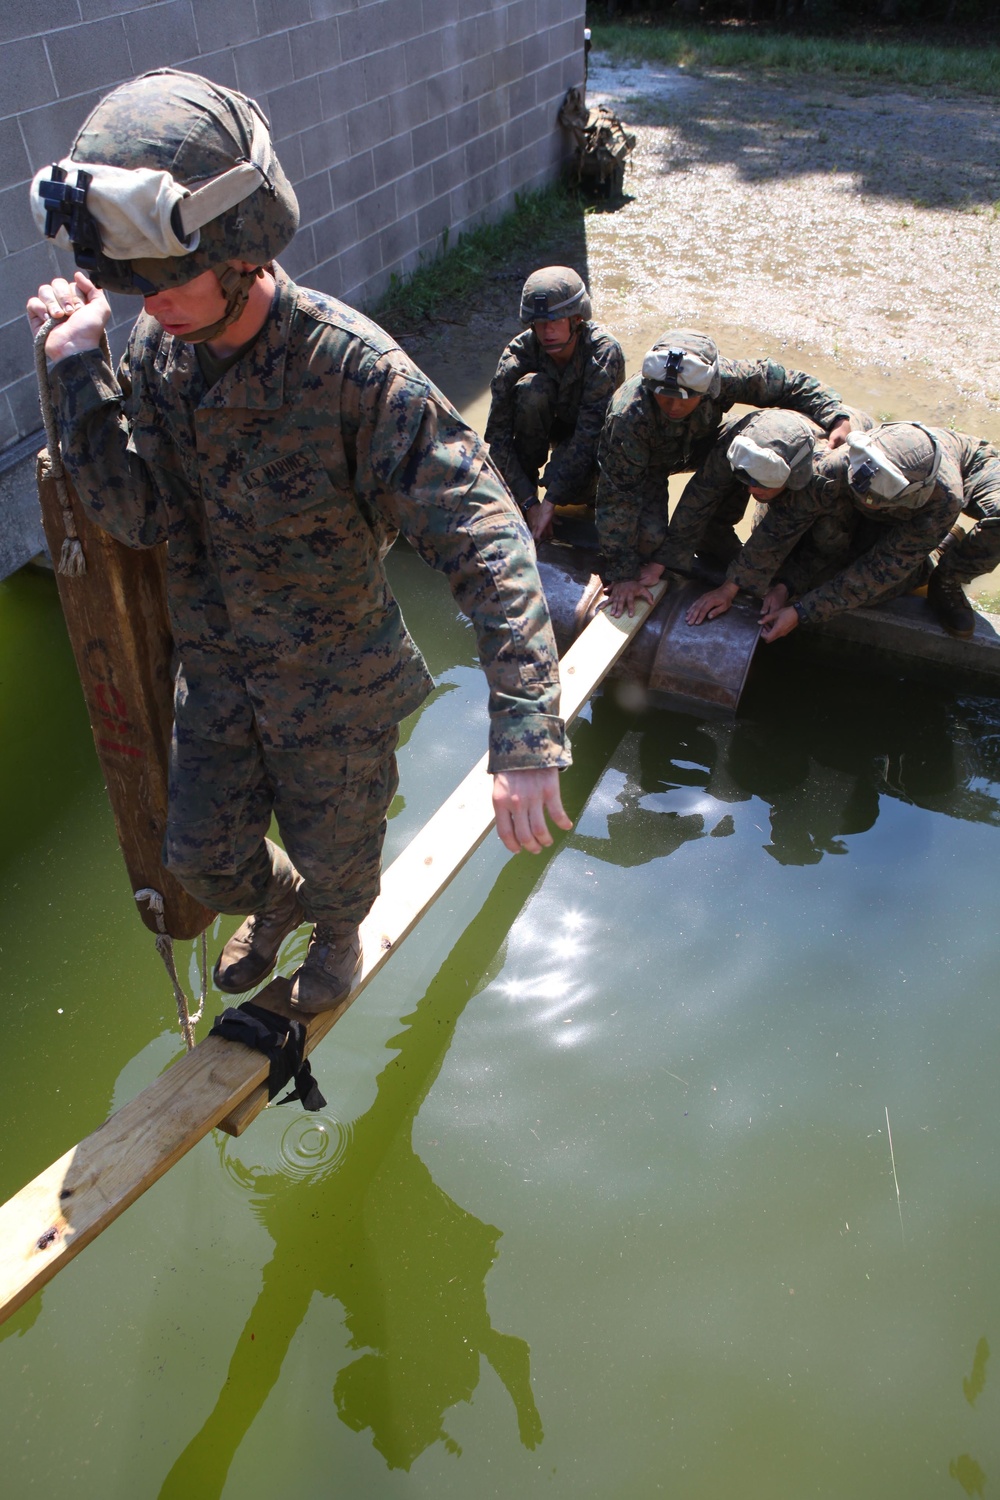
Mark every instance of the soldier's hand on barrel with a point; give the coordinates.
(82, 308)
(776, 598)
(838, 432)
(521, 800)
(623, 595)
(709, 605)
(781, 622)
(539, 519)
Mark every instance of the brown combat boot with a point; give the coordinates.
(946, 598)
(252, 951)
(329, 971)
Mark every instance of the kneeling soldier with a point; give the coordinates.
(551, 392)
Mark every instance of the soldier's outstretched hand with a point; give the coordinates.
(709, 606)
(83, 309)
(521, 800)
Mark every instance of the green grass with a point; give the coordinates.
(459, 270)
(909, 64)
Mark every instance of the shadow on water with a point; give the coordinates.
(373, 1230)
(937, 153)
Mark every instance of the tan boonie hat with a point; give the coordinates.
(682, 363)
(774, 450)
(894, 465)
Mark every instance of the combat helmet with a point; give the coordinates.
(682, 363)
(170, 176)
(894, 465)
(774, 451)
(554, 292)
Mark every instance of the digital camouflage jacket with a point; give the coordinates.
(278, 490)
(585, 384)
(872, 552)
(640, 448)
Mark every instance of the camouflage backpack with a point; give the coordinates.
(603, 145)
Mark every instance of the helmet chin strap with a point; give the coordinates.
(574, 329)
(235, 287)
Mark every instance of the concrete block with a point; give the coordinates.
(384, 73)
(376, 211)
(21, 18)
(394, 158)
(281, 15)
(369, 125)
(415, 189)
(8, 435)
(49, 132)
(522, 96)
(492, 111)
(290, 155)
(14, 166)
(222, 24)
(430, 141)
(356, 266)
(444, 91)
(361, 32)
(93, 10)
(522, 20)
(449, 171)
(299, 257)
(323, 145)
(87, 57)
(27, 76)
(409, 107)
(23, 398)
(342, 90)
(433, 219)
(315, 48)
(478, 78)
(315, 198)
(326, 278)
(15, 350)
(396, 239)
(424, 57)
(447, 12)
(23, 274)
(552, 81)
(352, 179)
(463, 124)
(481, 153)
(263, 65)
(294, 107)
(220, 67)
(334, 233)
(21, 533)
(161, 34)
(17, 223)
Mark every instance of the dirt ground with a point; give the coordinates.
(847, 230)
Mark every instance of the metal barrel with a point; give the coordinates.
(670, 664)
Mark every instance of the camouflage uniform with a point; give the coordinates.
(536, 403)
(278, 490)
(825, 544)
(641, 447)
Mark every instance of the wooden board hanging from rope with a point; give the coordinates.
(116, 616)
(224, 1083)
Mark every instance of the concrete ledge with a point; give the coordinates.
(904, 634)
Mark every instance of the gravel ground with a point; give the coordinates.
(862, 226)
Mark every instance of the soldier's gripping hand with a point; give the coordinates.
(779, 623)
(521, 800)
(83, 309)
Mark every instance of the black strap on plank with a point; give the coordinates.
(280, 1040)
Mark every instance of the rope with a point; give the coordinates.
(72, 562)
(165, 948)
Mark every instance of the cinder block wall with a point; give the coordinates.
(395, 119)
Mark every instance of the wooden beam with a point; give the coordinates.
(221, 1083)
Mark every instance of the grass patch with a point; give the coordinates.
(911, 64)
(457, 273)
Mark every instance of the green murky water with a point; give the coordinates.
(603, 1203)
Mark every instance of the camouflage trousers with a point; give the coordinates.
(979, 550)
(537, 429)
(331, 811)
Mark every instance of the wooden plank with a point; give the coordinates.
(221, 1083)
